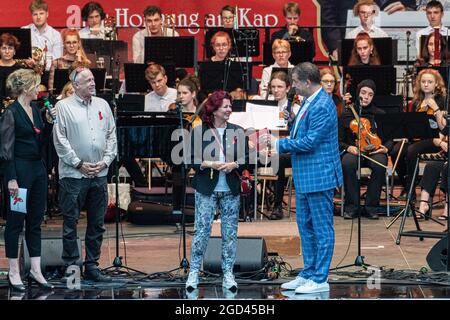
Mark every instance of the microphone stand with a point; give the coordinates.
(117, 264)
(359, 260)
(184, 263)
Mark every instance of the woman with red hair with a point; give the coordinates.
(73, 55)
(364, 51)
(219, 155)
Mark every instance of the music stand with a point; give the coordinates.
(179, 50)
(131, 102)
(383, 76)
(410, 125)
(300, 52)
(386, 47)
(223, 75)
(105, 49)
(24, 37)
(135, 76)
(240, 47)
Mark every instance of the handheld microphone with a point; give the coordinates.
(49, 106)
(290, 99)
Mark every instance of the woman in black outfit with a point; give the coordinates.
(365, 92)
(25, 169)
(429, 97)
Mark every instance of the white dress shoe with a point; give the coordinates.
(294, 284)
(313, 287)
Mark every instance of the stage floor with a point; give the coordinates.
(157, 249)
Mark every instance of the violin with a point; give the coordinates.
(369, 141)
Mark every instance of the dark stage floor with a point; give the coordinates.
(124, 288)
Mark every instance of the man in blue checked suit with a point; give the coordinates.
(317, 171)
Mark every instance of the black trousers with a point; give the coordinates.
(73, 195)
(408, 157)
(31, 175)
(430, 178)
(377, 178)
(284, 162)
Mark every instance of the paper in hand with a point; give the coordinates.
(19, 202)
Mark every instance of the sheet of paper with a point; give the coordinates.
(19, 203)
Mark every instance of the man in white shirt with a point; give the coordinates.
(366, 10)
(435, 12)
(153, 22)
(85, 140)
(162, 96)
(94, 15)
(44, 36)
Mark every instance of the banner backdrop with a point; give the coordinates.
(190, 16)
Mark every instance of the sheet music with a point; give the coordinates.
(257, 117)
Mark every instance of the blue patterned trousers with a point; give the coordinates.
(315, 225)
(205, 206)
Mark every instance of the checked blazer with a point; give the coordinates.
(313, 145)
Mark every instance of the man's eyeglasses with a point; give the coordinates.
(367, 13)
(328, 82)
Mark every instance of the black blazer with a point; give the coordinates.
(25, 137)
(236, 149)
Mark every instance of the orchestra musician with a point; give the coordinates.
(73, 55)
(281, 52)
(429, 97)
(162, 96)
(364, 52)
(292, 31)
(94, 16)
(330, 84)
(428, 52)
(366, 10)
(433, 171)
(227, 16)
(43, 36)
(154, 27)
(365, 93)
(435, 13)
(279, 87)
(221, 45)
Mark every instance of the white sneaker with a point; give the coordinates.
(229, 282)
(294, 284)
(192, 281)
(313, 287)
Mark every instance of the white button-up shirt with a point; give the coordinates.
(84, 131)
(86, 33)
(139, 43)
(157, 103)
(374, 32)
(49, 38)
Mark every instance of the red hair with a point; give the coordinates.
(213, 103)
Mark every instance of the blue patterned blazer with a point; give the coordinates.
(313, 145)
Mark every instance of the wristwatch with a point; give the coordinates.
(80, 165)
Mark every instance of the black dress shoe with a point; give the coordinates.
(96, 275)
(41, 285)
(277, 213)
(15, 287)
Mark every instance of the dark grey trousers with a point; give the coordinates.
(73, 195)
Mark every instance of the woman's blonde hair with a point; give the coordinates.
(440, 85)
(66, 89)
(22, 81)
